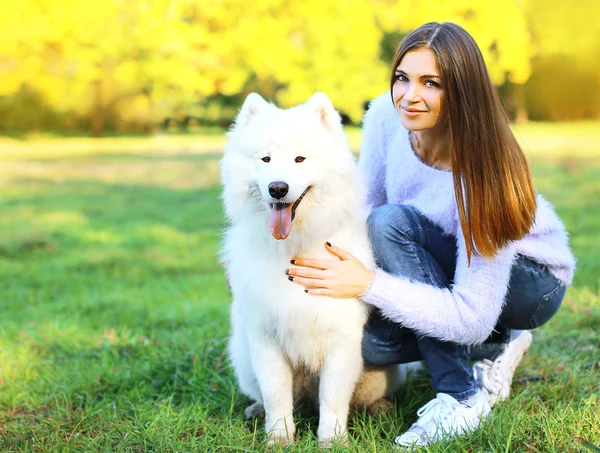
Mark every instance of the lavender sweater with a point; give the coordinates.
(467, 311)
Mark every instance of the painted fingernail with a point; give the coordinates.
(293, 261)
(328, 244)
(306, 291)
(290, 278)
(287, 272)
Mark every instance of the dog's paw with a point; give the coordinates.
(329, 442)
(280, 440)
(254, 411)
(380, 407)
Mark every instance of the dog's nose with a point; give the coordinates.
(278, 189)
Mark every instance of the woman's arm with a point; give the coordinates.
(465, 313)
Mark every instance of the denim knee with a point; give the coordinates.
(388, 220)
(372, 352)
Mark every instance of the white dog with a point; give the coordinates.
(290, 184)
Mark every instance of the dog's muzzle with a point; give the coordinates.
(282, 216)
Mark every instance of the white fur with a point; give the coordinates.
(278, 331)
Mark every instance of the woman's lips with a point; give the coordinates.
(412, 112)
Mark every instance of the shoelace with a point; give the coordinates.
(492, 380)
(434, 410)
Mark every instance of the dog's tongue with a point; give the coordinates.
(281, 221)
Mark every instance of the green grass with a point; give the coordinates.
(115, 308)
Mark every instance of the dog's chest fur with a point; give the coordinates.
(305, 327)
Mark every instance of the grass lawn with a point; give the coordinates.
(115, 309)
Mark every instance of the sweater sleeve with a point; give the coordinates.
(465, 313)
(371, 161)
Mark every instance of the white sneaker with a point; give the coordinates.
(496, 377)
(442, 417)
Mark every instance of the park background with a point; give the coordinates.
(112, 121)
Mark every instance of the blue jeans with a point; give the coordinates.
(407, 244)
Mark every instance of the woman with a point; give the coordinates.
(467, 252)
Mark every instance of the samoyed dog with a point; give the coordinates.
(291, 184)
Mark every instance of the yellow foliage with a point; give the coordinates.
(499, 28)
(564, 28)
(146, 59)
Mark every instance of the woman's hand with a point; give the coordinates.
(345, 277)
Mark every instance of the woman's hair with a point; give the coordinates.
(493, 185)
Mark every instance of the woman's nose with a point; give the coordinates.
(412, 92)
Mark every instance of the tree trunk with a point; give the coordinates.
(97, 110)
(520, 103)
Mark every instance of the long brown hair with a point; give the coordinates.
(493, 185)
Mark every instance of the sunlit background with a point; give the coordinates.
(115, 66)
(115, 308)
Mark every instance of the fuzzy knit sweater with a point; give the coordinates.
(466, 312)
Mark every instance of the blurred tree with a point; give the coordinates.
(565, 84)
(560, 28)
(141, 61)
(131, 60)
(129, 65)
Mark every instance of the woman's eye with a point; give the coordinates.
(266, 159)
(401, 78)
(431, 83)
(299, 159)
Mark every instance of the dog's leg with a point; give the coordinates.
(239, 353)
(274, 375)
(339, 374)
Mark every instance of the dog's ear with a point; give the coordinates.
(327, 114)
(252, 106)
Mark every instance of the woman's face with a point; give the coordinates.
(417, 91)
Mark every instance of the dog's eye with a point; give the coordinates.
(266, 159)
(299, 159)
